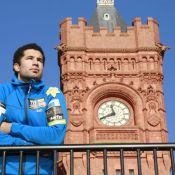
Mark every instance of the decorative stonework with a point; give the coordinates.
(61, 48)
(75, 97)
(76, 123)
(112, 68)
(162, 48)
(154, 120)
(110, 50)
(117, 135)
(149, 94)
(150, 78)
(76, 107)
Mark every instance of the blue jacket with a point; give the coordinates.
(26, 105)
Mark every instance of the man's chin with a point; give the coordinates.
(36, 78)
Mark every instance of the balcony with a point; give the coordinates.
(119, 151)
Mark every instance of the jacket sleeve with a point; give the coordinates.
(2, 105)
(51, 134)
(6, 139)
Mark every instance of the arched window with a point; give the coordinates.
(144, 63)
(151, 63)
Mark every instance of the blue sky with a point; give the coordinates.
(23, 21)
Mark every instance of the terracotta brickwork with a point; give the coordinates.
(98, 67)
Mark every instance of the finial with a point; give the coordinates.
(105, 2)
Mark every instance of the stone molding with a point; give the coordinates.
(65, 48)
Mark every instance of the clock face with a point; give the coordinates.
(113, 113)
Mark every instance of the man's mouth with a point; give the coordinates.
(35, 70)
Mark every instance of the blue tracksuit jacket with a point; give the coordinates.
(26, 106)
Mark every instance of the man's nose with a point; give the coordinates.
(35, 61)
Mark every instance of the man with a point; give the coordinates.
(30, 112)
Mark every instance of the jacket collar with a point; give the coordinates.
(34, 84)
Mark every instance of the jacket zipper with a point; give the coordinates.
(25, 103)
(26, 116)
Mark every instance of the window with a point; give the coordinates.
(118, 172)
(131, 172)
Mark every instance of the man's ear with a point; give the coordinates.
(16, 67)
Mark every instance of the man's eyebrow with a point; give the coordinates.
(29, 56)
(40, 57)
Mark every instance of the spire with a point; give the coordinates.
(107, 16)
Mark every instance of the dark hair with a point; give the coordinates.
(19, 53)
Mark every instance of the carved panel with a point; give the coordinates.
(153, 114)
(76, 121)
(76, 105)
(150, 94)
(153, 120)
(117, 135)
(75, 99)
(150, 78)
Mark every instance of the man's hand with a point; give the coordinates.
(5, 127)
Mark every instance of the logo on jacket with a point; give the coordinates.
(52, 91)
(54, 113)
(38, 103)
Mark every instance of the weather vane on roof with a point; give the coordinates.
(105, 2)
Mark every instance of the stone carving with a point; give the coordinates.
(76, 107)
(95, 83)
(151, 78)
(76, 100)
(104, 79)
(76, 96)
(112, 68)
(131, 83)
(162, 48)
(152, 108)
(61, 48)
(117, 135)
(73, 75)
(149, 94)
(76, 123)
(153, 119)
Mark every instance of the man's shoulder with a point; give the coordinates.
(5, 86)
(5, 90)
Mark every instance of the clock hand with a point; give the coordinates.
(112, 108)
(108, 115)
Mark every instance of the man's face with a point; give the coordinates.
(31, 66)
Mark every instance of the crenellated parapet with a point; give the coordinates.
(139, 36)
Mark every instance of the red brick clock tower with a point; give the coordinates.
(112, 77)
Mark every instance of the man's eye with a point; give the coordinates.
(29, 58)
(40, 60)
